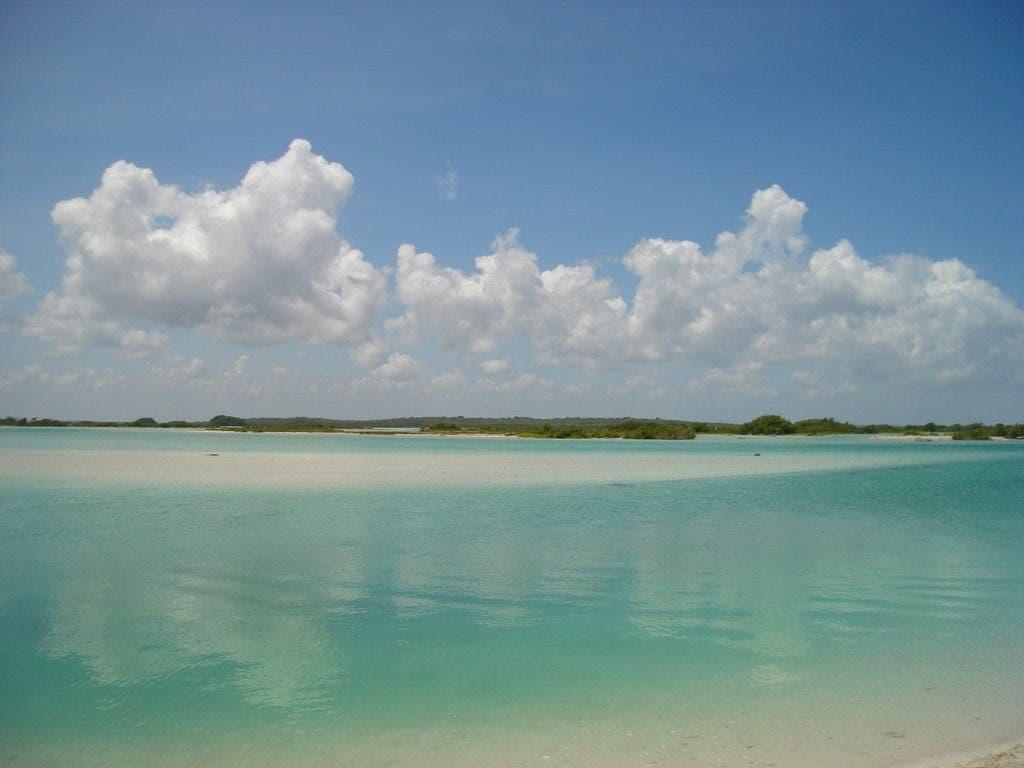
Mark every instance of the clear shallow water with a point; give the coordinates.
(453, 602)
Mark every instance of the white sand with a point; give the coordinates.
(1003, 756)
(358, 468)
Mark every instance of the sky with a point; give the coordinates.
(688, 210)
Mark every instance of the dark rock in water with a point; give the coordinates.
(213, 454)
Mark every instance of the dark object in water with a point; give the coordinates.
(756, 453)
(213, 454)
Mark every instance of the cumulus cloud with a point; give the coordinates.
(398, 367)
(399, 371)
(259, 263)
(743, 379)
(178, 372)
(637, 383)
(370, 352)
(80, 379)
(495, 366)
(568, 313)
(263, 263)
(453, 379)
(522, 383)
(12, 282)
(755, 299)
(33, 373)
(171, 372)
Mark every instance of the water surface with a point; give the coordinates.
(316, 600)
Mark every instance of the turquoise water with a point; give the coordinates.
(324, 600)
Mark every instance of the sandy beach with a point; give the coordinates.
(1004, 756)
(352, 461)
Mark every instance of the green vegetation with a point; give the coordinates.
(284, 427)
(559, 428)
(227, 421)
(973, 432)
(443, 426)
(562, 429)
(769, 424)
(651, 430)
(827, 426)
(628, 429)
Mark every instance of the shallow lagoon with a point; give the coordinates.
(349, 600)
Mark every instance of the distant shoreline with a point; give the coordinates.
(556, 428)
(928, 438)
(901, 438)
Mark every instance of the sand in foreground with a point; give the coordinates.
(1004, 757)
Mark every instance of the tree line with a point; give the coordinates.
(557, 428)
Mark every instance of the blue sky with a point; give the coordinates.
(589, 127)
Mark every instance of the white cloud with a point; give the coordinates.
(493, 367)
(448, 185)
(638, 380)
(744, 379)
(369, 353)
(522, 383)
(399, 371)
(806, 377)
(77, 380)
(258, 263)
(842, 388)
(568, 313)
(87, 379)
(637, 383)
(177, 371)
(398, 367)
(240, 366)
(451, 380)
(173, 372)
(753, 301)
(755, 298)
(33, 372)
(263, 263)
(12, 283)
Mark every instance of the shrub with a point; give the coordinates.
(227, 421)
(973, 433)
(769, 424)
